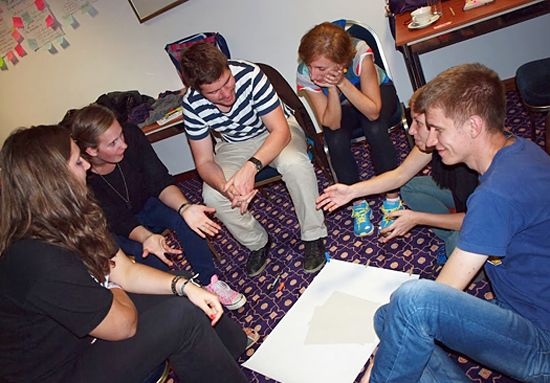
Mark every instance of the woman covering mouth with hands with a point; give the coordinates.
(346, 90)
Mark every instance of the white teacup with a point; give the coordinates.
(422, 15)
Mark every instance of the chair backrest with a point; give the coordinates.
(176, 48)
(367, 34)
(291, 99)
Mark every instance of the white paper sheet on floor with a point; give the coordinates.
(328, 335)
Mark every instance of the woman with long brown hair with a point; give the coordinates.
(72, 306)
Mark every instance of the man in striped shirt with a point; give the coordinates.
(236, 101)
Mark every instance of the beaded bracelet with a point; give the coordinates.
(174, 281)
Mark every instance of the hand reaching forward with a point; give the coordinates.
(157, 245)
(334, 196)
(206, 301)
(196, 217)
(405, 220)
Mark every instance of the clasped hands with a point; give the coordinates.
(239, 189)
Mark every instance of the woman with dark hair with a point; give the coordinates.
(70, 301)
(346, 90)
(140, 199)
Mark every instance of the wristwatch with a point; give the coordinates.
(256, 163)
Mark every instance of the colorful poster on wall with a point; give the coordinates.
(70, 10)
(40, 26)
(29, 25)
(70, 7)
(7, 41)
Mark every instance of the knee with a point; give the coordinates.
(376, 131)
(411, 297)
(380, 319)
(181, 317)
(409, 188)
(336, 139)
(296, 164)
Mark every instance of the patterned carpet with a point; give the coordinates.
(272, 207)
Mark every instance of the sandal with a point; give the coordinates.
(251, 337)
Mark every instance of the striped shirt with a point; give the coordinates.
(255, 97)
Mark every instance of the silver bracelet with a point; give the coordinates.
(192, 280)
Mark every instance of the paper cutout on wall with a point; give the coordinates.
(71, 20)
(51, 48)
(50, 21)
(88, 8)
(62, 41)
(17, 22)
(74, 22)
(3, 65)
(20, 51)
(26, 18)
(17, 36)
(11, 56)
(33, 45)
(39, 4)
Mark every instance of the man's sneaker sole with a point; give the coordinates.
(260, 270)
(237, 305)
(311, 271)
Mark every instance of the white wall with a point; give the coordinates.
(114, 52)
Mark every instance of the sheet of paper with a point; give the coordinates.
(325, 327)
(289, 356)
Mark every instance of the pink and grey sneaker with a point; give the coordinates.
(228, 297)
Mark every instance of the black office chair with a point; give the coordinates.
(533, 85)
(399, 118)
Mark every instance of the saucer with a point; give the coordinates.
(415, 25)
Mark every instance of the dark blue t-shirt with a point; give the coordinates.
(509, 218)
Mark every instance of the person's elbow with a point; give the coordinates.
(375, 116)
(128, 326)
(120, 323)
(286, 137)
(374, 113)
(122, 328)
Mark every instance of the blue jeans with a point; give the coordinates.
(382, 151)
(157, 217)
(422, 314)
(422, 194)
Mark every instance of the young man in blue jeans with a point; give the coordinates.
(505, 230)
